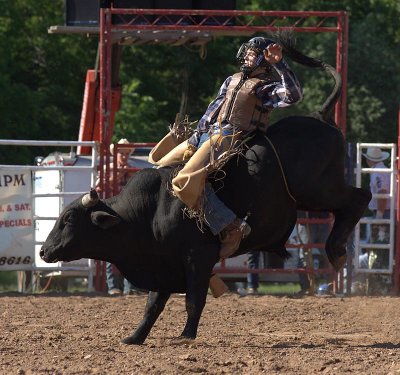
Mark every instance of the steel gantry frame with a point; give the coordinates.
(180, 26)
(197, 27)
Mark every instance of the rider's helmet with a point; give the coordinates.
(258, 45)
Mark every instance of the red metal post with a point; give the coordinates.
(243, 22)
(102, 60)
(341, 66)
(342, 42)
(105, 110)
(105, 95)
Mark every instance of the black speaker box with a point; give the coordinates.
(82, 12)
(173, 4)
(215, 5)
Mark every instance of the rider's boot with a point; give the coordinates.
(231, 237)
(217, 286)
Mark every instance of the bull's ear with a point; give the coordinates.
(104, 220)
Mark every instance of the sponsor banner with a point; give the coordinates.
(16, 221)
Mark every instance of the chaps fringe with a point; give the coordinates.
(214, 172)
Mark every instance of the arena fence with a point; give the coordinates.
(375, 238)
(33, 197)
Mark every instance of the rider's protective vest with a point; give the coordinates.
(241, 107)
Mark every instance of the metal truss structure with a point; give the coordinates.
(197, 27)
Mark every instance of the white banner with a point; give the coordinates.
(16, 221)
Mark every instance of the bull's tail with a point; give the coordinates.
(327, 110)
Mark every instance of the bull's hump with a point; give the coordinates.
(148, 179)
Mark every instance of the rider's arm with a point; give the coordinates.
(281, 93)
(211, 114)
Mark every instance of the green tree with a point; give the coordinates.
(373, 62)
(41, 76)
(153, 84)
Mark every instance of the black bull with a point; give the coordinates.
(145, 234)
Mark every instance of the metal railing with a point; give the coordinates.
(84, 267)
(366, 244)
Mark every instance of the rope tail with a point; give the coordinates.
(287, 40)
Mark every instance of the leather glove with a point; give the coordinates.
(189, 152)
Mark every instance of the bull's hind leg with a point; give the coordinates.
(155, 305)
(195, 302)
(346, 217)
(198, 271)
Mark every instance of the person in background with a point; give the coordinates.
(253, 279)
(379, 182)
(380, 207)
(315, 257)
(116, 283)
(270, 260)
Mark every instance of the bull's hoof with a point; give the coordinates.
(338, 263)
(130, 340)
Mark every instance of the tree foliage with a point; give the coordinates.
(42, 76)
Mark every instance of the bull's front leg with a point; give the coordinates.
(155, 305)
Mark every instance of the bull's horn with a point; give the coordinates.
(90, 199)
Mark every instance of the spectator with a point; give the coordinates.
(379, 182)
(380, 207)
(301, 236)
(253, 279)
(271, 260)
(116, 283)
(312, 258)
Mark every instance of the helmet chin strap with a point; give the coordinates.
(246, 69)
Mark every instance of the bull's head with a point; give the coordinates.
(76, 231)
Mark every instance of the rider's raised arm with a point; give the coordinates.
(281, 93)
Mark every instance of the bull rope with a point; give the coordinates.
(214, 166)
(217, 163)
(280, 166)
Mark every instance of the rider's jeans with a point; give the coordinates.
(218, 216)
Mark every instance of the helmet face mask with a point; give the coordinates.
(258, 45)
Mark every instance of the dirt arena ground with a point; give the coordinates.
(80, 334)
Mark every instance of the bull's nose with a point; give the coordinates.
(41, 253)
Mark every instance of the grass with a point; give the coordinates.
(8, 281)
(279, 288)
(269, 288)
